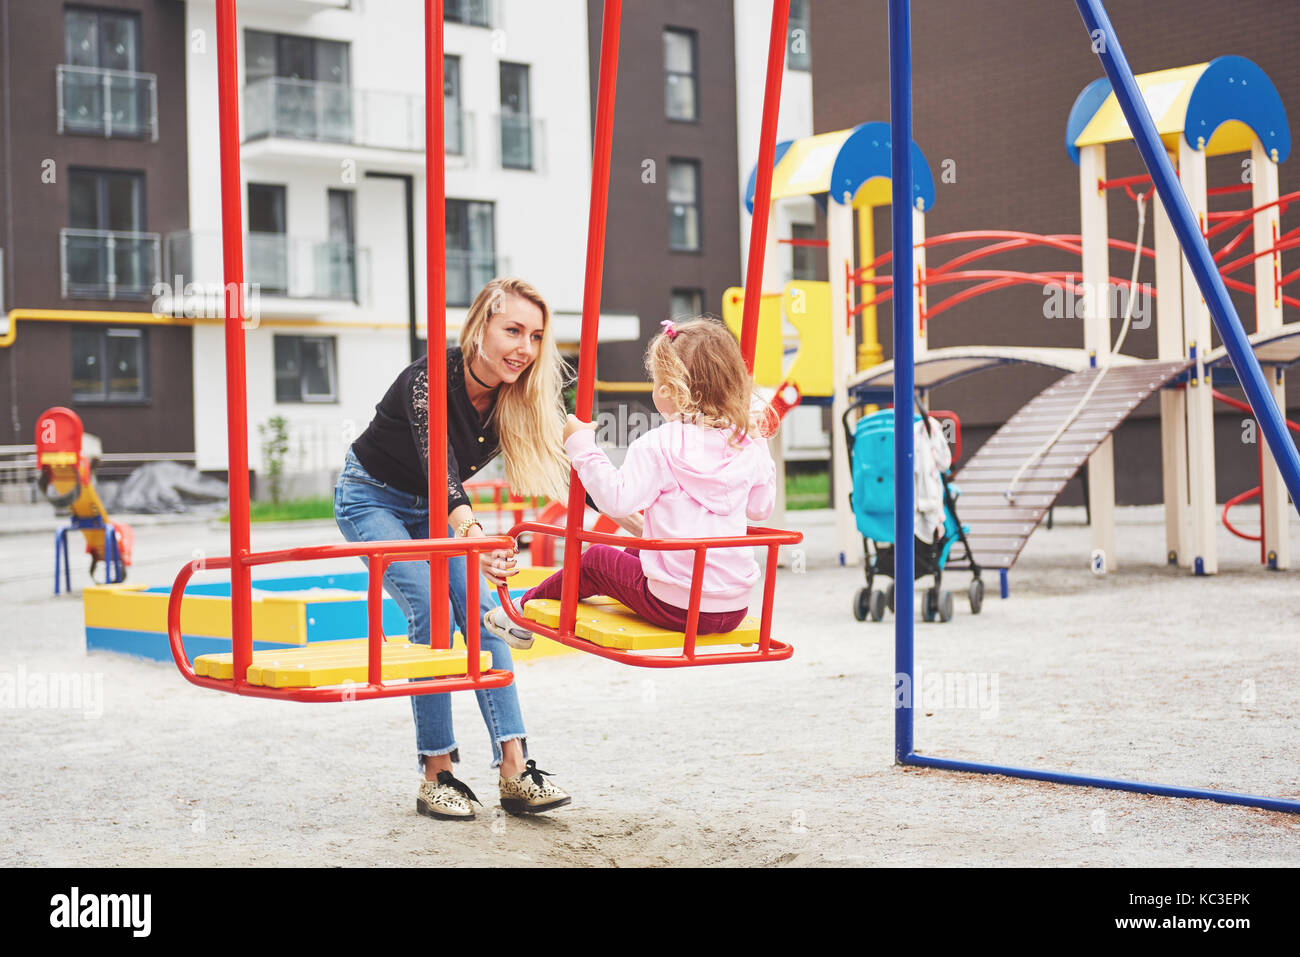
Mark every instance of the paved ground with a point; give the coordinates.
(1149, 674)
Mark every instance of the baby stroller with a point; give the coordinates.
(871, 463)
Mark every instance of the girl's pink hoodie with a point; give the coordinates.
(692, 483)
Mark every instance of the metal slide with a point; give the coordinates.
(999, 528)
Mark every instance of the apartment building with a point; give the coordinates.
(92, 178)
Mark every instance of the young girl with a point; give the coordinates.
(702, 474)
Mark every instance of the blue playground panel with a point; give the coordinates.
(330, 620)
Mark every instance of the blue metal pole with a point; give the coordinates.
(1125, 87)
(900, 136)
(1114, 784)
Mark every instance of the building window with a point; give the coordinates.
(474, 13)
(516, 118)
(803, 259)
(684, 204)
(471, 249)
(304, 369)
(109, 365)
(339, 254)
(686, 304)
(99, 90)
(680, 80)
(268, 244)
(453, 122)
(297, 87)
(105, 251)
(798, 54)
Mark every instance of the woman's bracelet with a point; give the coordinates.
(463, 528)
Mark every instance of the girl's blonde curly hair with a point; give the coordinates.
(699, 361)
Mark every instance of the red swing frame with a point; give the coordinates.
(574, 534)
(437, 550)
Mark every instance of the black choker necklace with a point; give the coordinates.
(470, 366)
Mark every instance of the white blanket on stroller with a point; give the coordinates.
(933, 457)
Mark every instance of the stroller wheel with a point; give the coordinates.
(929, 604)
(976, 594)
(877, 605)
(861, 604)
(889, 597)
(945, 606)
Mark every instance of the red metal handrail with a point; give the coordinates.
(769, 649)
(380, 555)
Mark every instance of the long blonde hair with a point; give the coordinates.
(700, 363)
(529, 413)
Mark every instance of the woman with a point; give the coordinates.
(503, 395)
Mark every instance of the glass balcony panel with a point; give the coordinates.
(267, 256)
(107, 102)
(516, 141)
(103, 264)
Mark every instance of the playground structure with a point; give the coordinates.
(65, 460)
(352, 670)
(1230, 106)
(1188, 229)
(847, 173)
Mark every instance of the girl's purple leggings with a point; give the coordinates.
(617, 573)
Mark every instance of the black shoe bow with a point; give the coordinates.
(532, 770)
(445, 777)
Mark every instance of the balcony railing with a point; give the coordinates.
(106, 102)
(109, 264)
(468, 272)
(519, 141)
(277, 264)
(336, 113)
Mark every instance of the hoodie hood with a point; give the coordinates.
(708, 467)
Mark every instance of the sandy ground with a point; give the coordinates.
(1148, 674)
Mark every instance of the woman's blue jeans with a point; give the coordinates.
(368, 510)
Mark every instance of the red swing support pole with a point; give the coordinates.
(602, 148)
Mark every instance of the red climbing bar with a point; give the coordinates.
(763, 181)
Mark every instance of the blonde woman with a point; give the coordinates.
(503, 396)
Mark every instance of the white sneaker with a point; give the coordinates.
(499, 623)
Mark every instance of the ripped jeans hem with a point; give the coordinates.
(454, 751)
(523, 742)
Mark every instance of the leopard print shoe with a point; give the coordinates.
(529, 793)
(446, 799)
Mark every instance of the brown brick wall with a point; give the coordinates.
(640, 270)
(35, 372)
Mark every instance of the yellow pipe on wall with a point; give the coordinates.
(149, 319)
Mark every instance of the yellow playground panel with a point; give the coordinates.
(609, 623)
(806, 305)
(339, 662)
